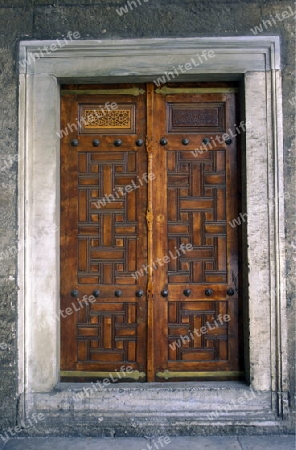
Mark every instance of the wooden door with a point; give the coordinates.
(149, 265)
(196, 309)
(103, 233)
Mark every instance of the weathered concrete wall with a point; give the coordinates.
(33, 19)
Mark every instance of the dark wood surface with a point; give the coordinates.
(191, 199)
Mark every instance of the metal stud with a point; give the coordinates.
(139, 293)
(139, 142)
(163, 141)
(187, 292)
(118, 293)
(185, 141)
(206, 141)
(117, 142)
(230, 291)
(228, 141)
(208, 292)
(74, 142)
(74, 293)
(96, 293)
(96, 142)
(164, 293)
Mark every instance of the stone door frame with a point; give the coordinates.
(254, 60)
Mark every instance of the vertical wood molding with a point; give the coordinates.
(149, 218)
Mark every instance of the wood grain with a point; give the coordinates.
(110, 230)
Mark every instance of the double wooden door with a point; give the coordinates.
(149, 262)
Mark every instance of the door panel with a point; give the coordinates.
(201, 197)
(104, 237)
(125, 234)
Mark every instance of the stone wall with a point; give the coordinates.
(93, 19)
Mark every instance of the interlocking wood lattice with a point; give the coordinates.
(107, 227)
(186, 319)
(197, 215)
(108, 331)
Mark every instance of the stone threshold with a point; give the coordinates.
(133, 409)
(159, 398)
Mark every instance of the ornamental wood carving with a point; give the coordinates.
(159, 252)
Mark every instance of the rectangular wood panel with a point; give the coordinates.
(201, 196)
(103, 237)
(195, 117)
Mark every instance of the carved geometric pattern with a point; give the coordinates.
(197, 216)
(107, 119)
(190, 117)
(194, 118)
(107, 331)
(186, 319)
(107, 227)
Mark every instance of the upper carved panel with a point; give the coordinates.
(107, 119)
(196, 117)
(100, 119)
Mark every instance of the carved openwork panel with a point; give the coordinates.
(197, 215)
(107, 120)
(188, 340)
(195, 117)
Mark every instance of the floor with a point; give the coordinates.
(158, 443)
